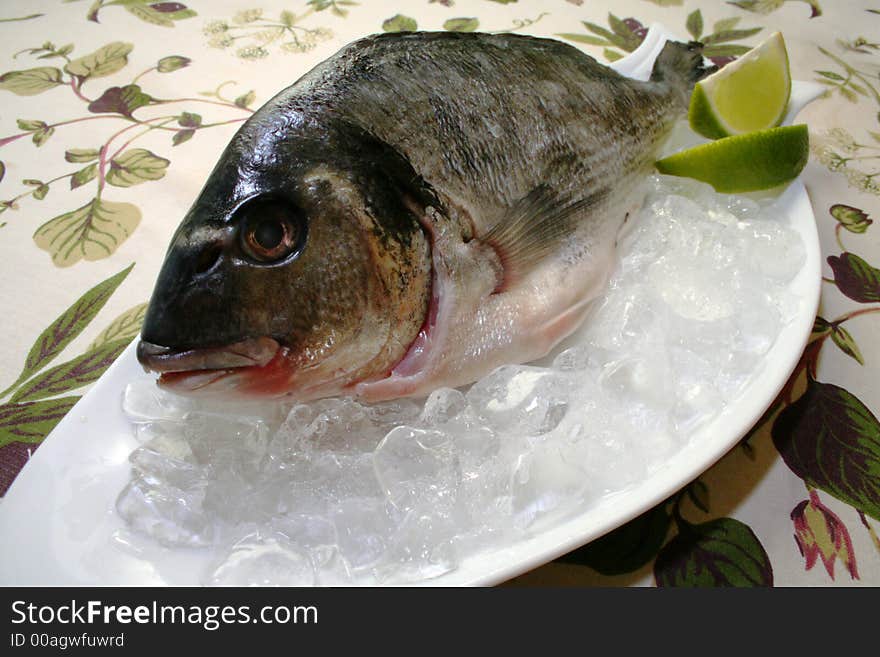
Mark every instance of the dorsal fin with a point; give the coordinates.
(533, 228)
(681, 65)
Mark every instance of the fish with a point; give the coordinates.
(415, 211)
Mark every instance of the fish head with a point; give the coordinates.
(300, 271)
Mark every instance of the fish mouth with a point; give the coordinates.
(190, 370)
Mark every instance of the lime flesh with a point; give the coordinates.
(748, 94)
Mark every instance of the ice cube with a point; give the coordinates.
(307, 530)
(388, 415)
(574, 359)
(442, 406)
(339, 492)
(167, 440)
(690, 291)
(229, 443)
(344, 425)
(413, 465)
(611, 457)
(473, 443)
(544, 481)
(641, 379)
(742, 207)
(158, 466)
(522, 399)
(316, 535)
(773, 250)
(422, 548)
(263, 559)
(356, 477)
(171, 516)
(144, 432)
(331, 568)
(485, 501)
(629, 319)
(697, 401)
(364, 528)
(144, 401)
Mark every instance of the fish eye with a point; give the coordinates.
(272, 230)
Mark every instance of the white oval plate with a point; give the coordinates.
(60, 526)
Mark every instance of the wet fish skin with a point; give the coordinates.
(340, 283)
(460, 194)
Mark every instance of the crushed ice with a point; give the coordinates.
(337, 492)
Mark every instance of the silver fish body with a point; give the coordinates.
(415, 211)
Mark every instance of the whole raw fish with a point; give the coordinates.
(413, 212)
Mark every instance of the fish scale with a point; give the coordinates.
(444, 203)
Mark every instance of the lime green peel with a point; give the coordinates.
(750, 162)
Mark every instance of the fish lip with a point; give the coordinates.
(252, 352)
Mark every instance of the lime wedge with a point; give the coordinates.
(744, 163)
(751, 93)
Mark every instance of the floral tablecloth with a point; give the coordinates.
(114, 112)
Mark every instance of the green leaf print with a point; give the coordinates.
(694, 24)
(105, 61)
(821, 326)
(189, 120)
(91, 232)
(149, 13)
(30, 125)
(245, 100)
(172, 63)
(852, 219)
(844, 340)
(73, 374)
(625, 35)
(32, 81)
(181, 136)
(720, 552)
(461, 24)
(724, 24)
(81, 154)
(136, 166)
(67, 326)
(162, 14)
(95, 230)
(730, 35)
(400, 23)
(336, 7)
(20, 18)
(124, 327)
(253, 33)
(32, 421)
(627, 548)
(122, 100)
(831, 440)
(769, 6)
(41, 135)
(855, 278)
(84, 175)
(583, 38)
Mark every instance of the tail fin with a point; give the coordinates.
(681, 65)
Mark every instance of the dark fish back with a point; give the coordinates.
(485, 119)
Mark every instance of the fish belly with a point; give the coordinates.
(478, 329)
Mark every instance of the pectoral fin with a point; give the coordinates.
(533, 228)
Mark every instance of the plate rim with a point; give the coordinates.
(536, 550)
